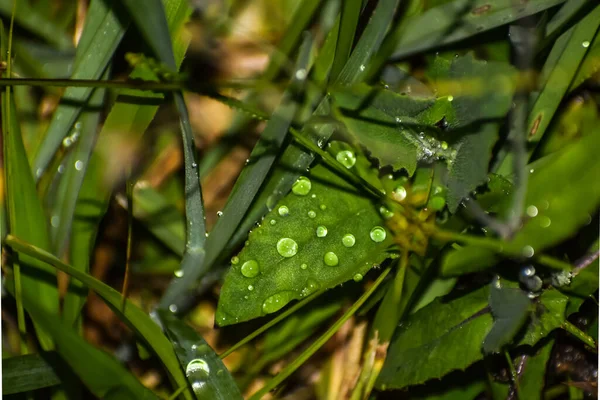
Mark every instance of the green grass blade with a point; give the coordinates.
(96, 48)
(102, 374)
(29, 372)
(37, 23)
(72, 171)
(559, 71)
(590, 64)
(261, 160)
(133, 316)
(26, 218)
(349, 22)
(206, 373)
(453, 21)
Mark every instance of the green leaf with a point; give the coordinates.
(559, 71)
(549, 314)
(590, 64)
(510, 308)
(300, 248)
(556, 213)
(26, 218)
(101, 373)
(29, 372)
(532, 378)
(382, 121)
(206, 373)
(468, 169)
(439, 338)
(133, 316)
(101, 35)
(458, 20)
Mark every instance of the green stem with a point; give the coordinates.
(271, 323)
(579, 334)
(320, 341)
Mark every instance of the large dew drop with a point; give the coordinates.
(250, 269)
(377, 234)
(287, 247)
(311, 287)
(330, 259)
(283, 211)
(302, 186)
(400, 193)
(348, 240)
(277, 301)
(197, 367)
(321, 231)
(312, 214)
(346, 158)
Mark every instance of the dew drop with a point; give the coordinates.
(450, 98)
(346, 158)
(301, 74)
(235, 260)
(348, 240)
(302, 186)
(276, 302)
(528, 251)
(283, 211)
(78, 165)
(323, 207)
(61, 169)
(287, 247)
(532, 211)
(321, 231)
(250, 269)
(399, 193)
(178, 273)
(312, 214)
(545, 221)
(272, 222)
(527, 271)
(197, 365)
(314, 196)
(54, 221)
(585, 44)
(194, 165)
(330, 259)
(219, 214)
(385, 213)
(444, 145)
(362, 67)
(311, 287)
(303, 266)
(250, 287)
(173, 308)
(377, 234)
(437, 203)
(357, 278)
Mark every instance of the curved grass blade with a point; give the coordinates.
(348, 23)
(590, 64)
(133, 316)
(453, 21)
(207, 375)
(102, 374)
(26, 218)
(101, 35)
(559, 71)
(29, 372)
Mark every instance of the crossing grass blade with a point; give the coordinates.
(29, 372)
(130, 314)
(349, 22)
(99, 40)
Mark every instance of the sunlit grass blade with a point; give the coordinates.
(261, 160)
(97, 45)
(102, 374)
(26, 218)
(457, 20)
(130, 314)
(36, 22)
(29, 372)
(208, 377)
(559, 70)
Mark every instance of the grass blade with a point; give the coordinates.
(133, 316)
(99, 40)
(348, 25)
(29, 372)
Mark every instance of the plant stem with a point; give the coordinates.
(320, 341)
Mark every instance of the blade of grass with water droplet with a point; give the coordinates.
(559, 71)
(207, 376)
(457, 20)
(102, 374)
(26, 218)
(133, 316)
(101, 35)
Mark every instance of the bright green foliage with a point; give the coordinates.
(292, 259)
(207, 376)
(551, 215)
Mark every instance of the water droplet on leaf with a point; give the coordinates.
(276, 302)
(287, 247)
(378, 234)
(197, 365)
(250, 269)
(321, 231)
(302, 186)
(312, 214)
(348, 240)
(357, 278)
(330, 259)
(235, 260)
(283, 211)
(346, 158)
